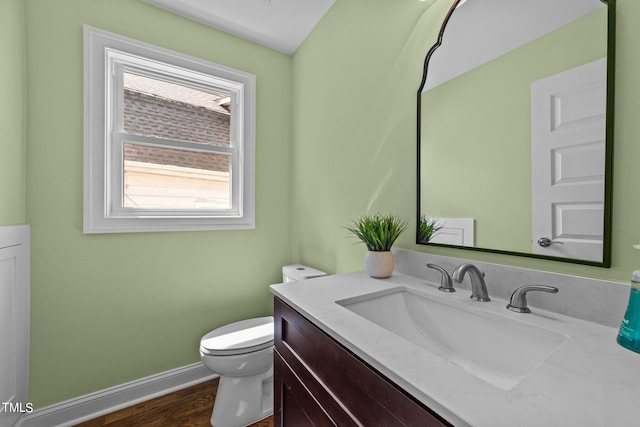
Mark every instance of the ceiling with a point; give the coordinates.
(480, 31)
(279, 24)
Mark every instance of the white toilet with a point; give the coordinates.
(242, 354)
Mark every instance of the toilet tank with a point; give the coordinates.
(295, 272)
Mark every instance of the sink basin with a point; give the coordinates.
(494, 348)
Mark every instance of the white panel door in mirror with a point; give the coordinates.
(568, 112)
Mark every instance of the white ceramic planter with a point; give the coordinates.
(379, 264)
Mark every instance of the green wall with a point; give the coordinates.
(336, 138)
(355, 82)
(486, 114)
(12, 114)
(355, 79)
(108, 309)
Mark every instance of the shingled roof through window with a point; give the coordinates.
(175, 92)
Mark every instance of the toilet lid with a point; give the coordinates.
(241, 337)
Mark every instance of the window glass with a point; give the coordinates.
(174, 178)
(153, 107)
(165, 178)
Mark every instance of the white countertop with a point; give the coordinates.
(588, 381)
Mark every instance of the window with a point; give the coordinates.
(169, 140)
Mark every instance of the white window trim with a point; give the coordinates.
(99, 216)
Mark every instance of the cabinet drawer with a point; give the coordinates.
(351, 392)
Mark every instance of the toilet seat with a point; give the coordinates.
(245, 336)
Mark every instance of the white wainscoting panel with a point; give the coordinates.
(454, 231)
(14, 322)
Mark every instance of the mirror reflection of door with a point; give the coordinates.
(568, 132)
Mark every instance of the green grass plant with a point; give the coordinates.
(378, 232)
(428, 228)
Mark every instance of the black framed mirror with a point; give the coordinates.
(515, 130)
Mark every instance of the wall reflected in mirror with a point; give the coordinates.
(513, 129)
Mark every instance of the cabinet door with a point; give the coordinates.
(294, 404)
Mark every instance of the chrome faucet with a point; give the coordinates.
(518, 301)
(478, 286)
(445, 281)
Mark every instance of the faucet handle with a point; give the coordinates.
(518, 301)
(445, 282)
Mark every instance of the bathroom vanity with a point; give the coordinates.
(319, 382)
(344, 357)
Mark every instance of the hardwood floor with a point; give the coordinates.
(190, 407)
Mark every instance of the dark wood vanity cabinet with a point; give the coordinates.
(320, 383)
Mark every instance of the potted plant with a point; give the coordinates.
(428, 228)
(378, 232)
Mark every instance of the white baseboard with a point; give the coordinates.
(93, 405)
